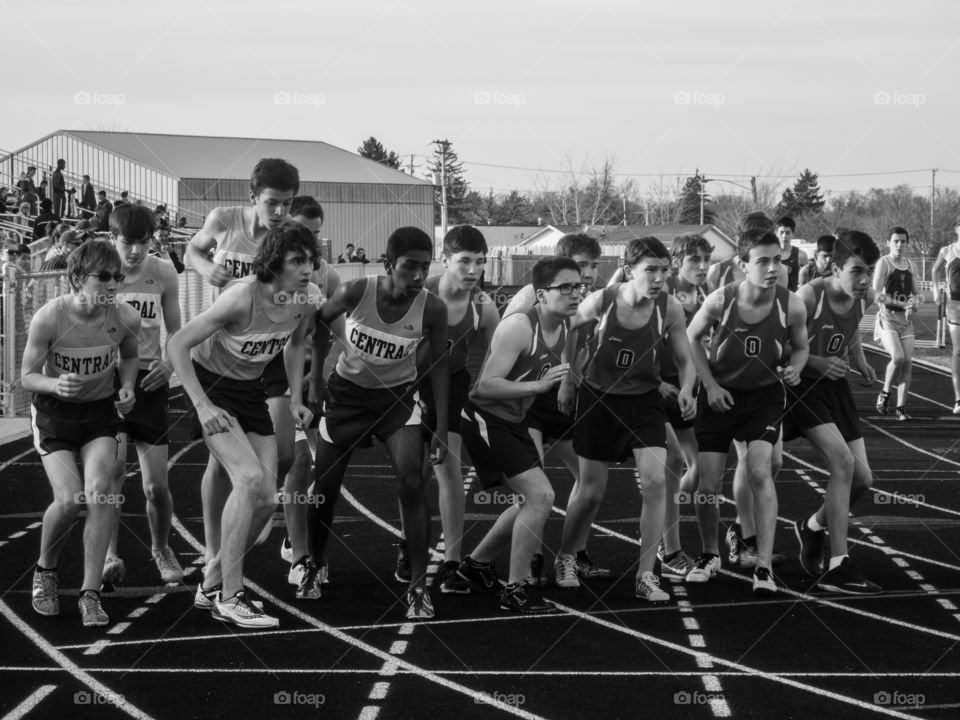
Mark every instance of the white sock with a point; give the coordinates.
(814, 525)
(835, 561)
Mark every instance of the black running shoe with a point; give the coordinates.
(483, 575)
(450, 581)
(811, 547)
(846, 579)
(402, 571)
(882, 400)
(763, 583)
(526, 598)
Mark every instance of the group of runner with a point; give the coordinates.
(670, 364)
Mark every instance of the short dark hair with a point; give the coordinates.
(102, 192)
(787, 222)
(578, 244)
(90, 258)
(276, 174)
(852, 243)
(86, 177)
(288, 237)
(306, 206)
(755, 238)
(754, 221)
(897, 230)
(688, 244)
(825, 243)
(644, 247)
(464, 238)
(46, 204)
(545, 271)
(403, 240)
(134, 222)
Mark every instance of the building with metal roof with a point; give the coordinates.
(614, 238)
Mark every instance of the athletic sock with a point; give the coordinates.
(815, 525)
(672, 556)
(92, 592)
(751, 542)
(835, 561)
(43, 569)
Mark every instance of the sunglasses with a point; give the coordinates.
(106, 276)
(568, 288)
(13, 252)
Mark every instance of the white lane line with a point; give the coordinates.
(946, 604)
(97, 647)
(34, 526)
(379, 691)
(137, 612)
(398, 647)
(118, 628)
(78, 673)
(370, 712)
(16, 535)
(29, 703)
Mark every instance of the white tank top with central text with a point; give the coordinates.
(93, 357)
(144, 294)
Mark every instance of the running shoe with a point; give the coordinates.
(565, 569)
(204, 599)
(734, 544)
(763, 584)
(882, 399)
(811, 547)
(114, 571)
(242, 613)
(483, 575)
(419, 604)
(846, 579)
(309, 586)
(956, 407)
(450, 581)
(704, 569)
(286, 550)
(589, 570)
(91, 612)
(525, 598)
(537, 573)
(402, 571)
(902, 414)
(170, 570)
(676, 566)
(45, 598)
(648, 588)
(297, 570)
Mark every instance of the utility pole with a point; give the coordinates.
(412, 166)
(753, 187)
(933, 195)
(623, 196)
(701, 182)
(443, 145)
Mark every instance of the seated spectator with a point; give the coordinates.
(347, 256)
(46, 220)
(123, 200)
(101, 218)
(32, 200)
(24, 218)
(11, 257)
(361, 256)
(56, 258)
(25, 183)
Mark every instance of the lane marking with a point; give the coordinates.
(29, 703)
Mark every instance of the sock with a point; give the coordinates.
(738, 531)
(751, 542)
(43, 569)
(672, 556)
(835, 561)
(91, 592)
(814, 525)
(901, 408)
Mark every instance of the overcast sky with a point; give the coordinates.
(734, 88)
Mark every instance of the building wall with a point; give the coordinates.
(361, 214)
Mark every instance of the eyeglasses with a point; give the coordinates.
(568, 288)
(106, 276)
(13, 252)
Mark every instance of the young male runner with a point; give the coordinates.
(471, 317)
(234, 235)
(548, 425)
(619, 409)
(373, 392)
(151, 287)
(521, 364)
(69, 363)
(895, 284)
(741, 395)
(821, 407)
(231, 343)
(948, 265)
(793, 257)
(820, 266)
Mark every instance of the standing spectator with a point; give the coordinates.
(123, 200)
(42, 190)
(88, 198)
(101, 218)
(347, 256)
(59, 189)
(45, 220)
(25, 183)
(32, 201)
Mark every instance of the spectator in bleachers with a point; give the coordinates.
(161, 248)
(101, 218)
(56, 258)
(361, 256)
(24, 218)
(25, 183)
(46, 220)
(32, 199)
(88, 198)
(347, 255)
(124, 199)
(42, 190)
(11, 257)
(58, 188)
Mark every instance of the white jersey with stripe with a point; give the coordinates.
(237, 251)
(145, 294)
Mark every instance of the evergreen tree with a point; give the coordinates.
(374, 150)
(690, 202)
(803, 197)
(445, 156)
